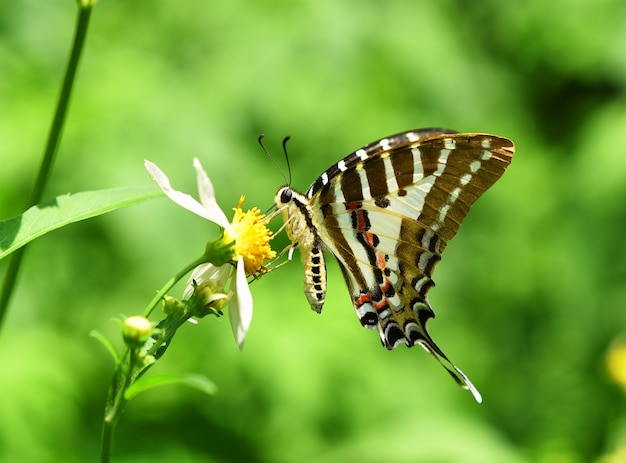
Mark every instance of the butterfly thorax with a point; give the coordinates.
(297, 216)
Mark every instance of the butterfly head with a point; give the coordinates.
(286, 201)
(296, 214)
(283, 197)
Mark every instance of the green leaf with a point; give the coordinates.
(106, 343)
(199, 382)
(66, 209)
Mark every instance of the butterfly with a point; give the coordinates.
(386, 213)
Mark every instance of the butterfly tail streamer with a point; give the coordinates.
(460, 377)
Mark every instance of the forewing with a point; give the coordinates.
(432, 176)
(404, 196)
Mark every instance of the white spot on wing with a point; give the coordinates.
(419, 306)
(426, 184)
(418, 171)
(390, 175)
(412, 136)
(388, 232)
(454, 195)
(474, 166)
(341, 165)
(384, 144)
(324, 178)
(465, 179)
(486, 155)
(387, 334)
(395, 302)
(449, 143)
(424, 261)
(364, 310)
(413, 331)
(392, 264)
(364, 183)
(443, 158)
(339, 198)
(427, 239)
(486, 143)
(410, 205)
(364, 267)
(361, 154)
(419, 284)
(393, 278)
(443, 212)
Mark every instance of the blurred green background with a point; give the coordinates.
(531, 294)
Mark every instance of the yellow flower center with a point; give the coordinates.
(252, 237)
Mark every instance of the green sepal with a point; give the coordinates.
(221, 251)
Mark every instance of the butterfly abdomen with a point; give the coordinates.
(315, 277)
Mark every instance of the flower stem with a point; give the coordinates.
(163, 291)
(54, 137)
(115, 404)
(127, 370)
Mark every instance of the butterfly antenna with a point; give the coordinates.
(282, 172)
(285, 140)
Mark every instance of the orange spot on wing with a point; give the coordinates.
(363, 299)
(381, 305)
(385, 286)
(361, 224)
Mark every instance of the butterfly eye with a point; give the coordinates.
(285, 196)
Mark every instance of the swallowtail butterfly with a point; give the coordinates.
(386, 213)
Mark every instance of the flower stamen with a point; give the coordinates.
(252, 238)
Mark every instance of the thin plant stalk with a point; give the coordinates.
(54, 138)
(125, 371)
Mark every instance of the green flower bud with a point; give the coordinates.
(136, 330)
(172, 306)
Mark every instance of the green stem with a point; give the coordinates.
(54, 137)
(163, 291)
(122, 379)
(115, 404)
(125, 376)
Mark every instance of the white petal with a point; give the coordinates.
(240, 306)
(183, 199)
(207, 272)
(207, 195)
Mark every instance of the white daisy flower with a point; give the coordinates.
(244, 244)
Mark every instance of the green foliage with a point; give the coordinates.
(67, 209)
(107, 345)
(198, 382)
(530, 295)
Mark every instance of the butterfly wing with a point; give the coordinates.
(387, 211)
